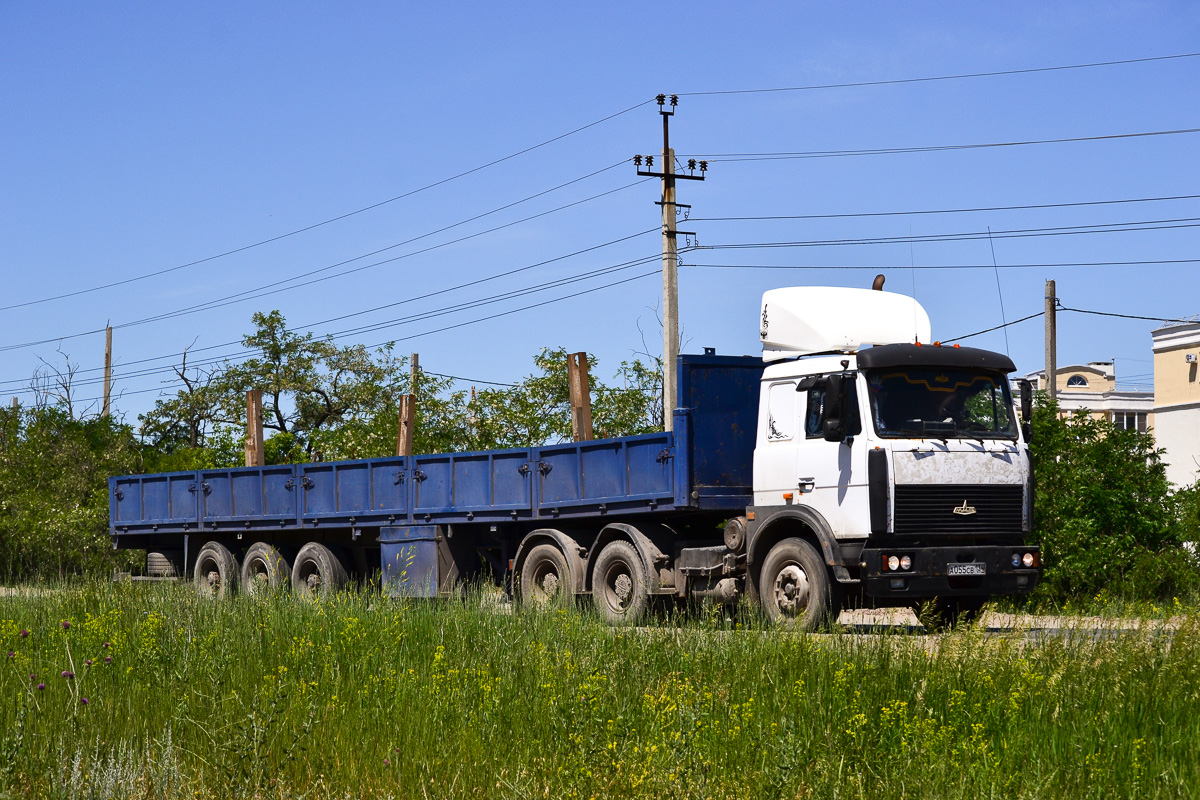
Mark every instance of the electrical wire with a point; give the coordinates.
(248, 294)
(1027, 207)
(331, 220)
(928, 79)
(877, 267)
(1017, 233)
(994, 328)
(884, 151)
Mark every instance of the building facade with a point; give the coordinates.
(1093, 388)
(1177, 399)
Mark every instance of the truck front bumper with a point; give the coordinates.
(948, 571)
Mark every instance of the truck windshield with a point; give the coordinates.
(934, 403)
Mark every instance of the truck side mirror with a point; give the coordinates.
(834, 428)
(1026, 400)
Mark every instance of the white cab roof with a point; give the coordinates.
(802, 320)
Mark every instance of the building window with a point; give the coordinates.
(1076, 382)
(1130, 420)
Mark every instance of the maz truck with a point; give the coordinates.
(856, 462)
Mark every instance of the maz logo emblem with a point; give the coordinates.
(964, 510)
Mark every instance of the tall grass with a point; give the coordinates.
(368, 697)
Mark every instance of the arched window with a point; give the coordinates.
(1076, 381)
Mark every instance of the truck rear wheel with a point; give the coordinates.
(795, 588)
(546, 579)
(216, 573)
(620, 589)
(317, 572)
(264, 570)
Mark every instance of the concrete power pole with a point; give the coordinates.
(107, 369)
(1051, 343)
(670, 249)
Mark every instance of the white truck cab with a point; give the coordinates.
(899, 462)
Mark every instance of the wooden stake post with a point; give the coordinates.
(254, 429)
(404, 435)
(581, 397)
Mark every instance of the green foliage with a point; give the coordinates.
(53, 490)
(362, 696)
(1105, 513)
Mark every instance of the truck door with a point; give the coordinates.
(775, 454)
(836, 471)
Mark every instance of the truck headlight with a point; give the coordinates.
(1016, 560)
(893, 563)
(1028, 560)
(905, 562)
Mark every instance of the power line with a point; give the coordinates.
(338, 218)
(994, 328)
(249, 293)
(878, 151)
(877, 267)
(446, 290)
(1123, 316)
(448, 327)
(932, 78)
(421, 316)
(1016, 233)
(1027, 207)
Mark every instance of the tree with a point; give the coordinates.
(1106, 517)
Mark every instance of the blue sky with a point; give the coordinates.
(141, 137)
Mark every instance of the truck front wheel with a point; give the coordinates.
(795, 588)
(619, 585)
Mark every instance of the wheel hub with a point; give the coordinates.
(313, 581)
(623, 588)
(791, 590)
(550, 584)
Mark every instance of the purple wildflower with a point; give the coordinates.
(83, 701)
(108, 659)
(24, 633)
(66, 673)
(87, 663)
(106, 645)
(11, 654)
(65, 625)
(387, 763)
(32, 677)
(41, 687)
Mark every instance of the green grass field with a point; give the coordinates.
(368, 697)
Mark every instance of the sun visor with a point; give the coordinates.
(802, 320)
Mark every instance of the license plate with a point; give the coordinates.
(966, 569)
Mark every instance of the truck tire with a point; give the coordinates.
(159, 566)
(264, 570)
(216, 573)
(796, 589)
(317, 572)
(546, 580)
(620, 588)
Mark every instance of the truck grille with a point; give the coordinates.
(922, 509)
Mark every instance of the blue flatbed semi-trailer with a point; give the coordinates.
(428, 521)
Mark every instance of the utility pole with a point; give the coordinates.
(1051, 344)
(254, 429)
(408, 410)
(107, 369)
(580, 391)
(670, 248)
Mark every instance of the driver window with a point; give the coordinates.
(814, 418)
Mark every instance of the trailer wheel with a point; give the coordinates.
(619, 584)
(216, 573)
(546, 579)
(795, 588)
(264, 570)
(317, 572)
